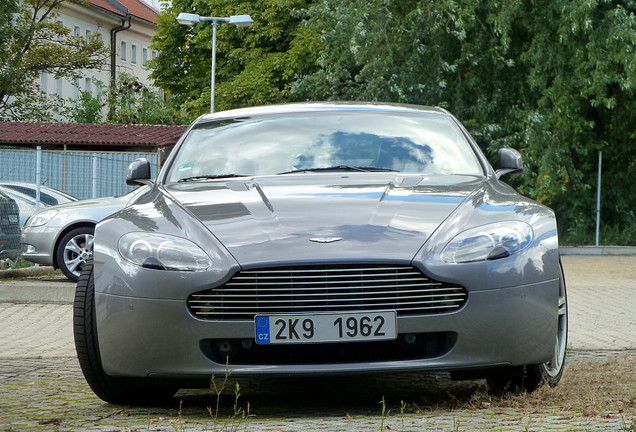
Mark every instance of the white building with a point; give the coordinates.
(125, 26)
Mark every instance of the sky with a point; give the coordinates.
(157, 3)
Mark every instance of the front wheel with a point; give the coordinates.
(116, 390)
(528, 378)
(75, 248)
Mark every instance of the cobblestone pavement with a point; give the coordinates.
(41, 386)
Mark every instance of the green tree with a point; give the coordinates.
(127, 102)
(554, 79)
(32, 41)
(132, 102)
(255, 65)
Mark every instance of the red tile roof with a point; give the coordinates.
(89, 134)
(111, 6)
(137, 8)
(141, 9)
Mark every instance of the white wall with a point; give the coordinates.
(84, 20)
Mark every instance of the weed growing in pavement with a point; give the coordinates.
(239, 414)
(233, 423)
(385, 413)
(625, 426)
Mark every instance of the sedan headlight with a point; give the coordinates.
(41, 218)
(163, 252)
(488, 242)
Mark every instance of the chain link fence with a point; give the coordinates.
(81, 174)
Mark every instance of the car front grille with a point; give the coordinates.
(327, 288)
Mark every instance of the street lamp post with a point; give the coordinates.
(192, 19)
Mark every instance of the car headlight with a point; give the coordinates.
(163, 252)
(488, 242)
(41, 218)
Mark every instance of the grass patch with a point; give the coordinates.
(21, 263)
(589, 388)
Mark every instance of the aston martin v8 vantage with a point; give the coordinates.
(322, 238)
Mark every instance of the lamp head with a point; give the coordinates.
(188, 18)
(241, 20)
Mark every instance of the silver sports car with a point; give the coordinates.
(330, 238)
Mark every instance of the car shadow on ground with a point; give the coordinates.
(333, 396)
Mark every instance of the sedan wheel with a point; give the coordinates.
(73, 250)
(528, 378)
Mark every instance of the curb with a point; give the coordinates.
(598, 250)
(26, 272)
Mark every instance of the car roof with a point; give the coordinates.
(309, 107)
(24, 186)
(26, 192)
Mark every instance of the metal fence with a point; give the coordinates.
(77, 173)
(80, 174)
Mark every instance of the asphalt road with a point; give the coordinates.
(41, 386)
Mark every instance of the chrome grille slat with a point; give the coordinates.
(455, 295)
(331, 289)
(251, 314)
(331, 301)
(322, 282)
(327, 288)
(323, 276)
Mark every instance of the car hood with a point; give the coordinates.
(90, 210)
(324, 217)
(95, 202)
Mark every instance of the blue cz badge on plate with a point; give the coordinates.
(262, 329)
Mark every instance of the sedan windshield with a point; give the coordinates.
(332, 141)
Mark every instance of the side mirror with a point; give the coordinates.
(510, 162)
(138, 172)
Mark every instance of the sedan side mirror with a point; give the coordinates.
(138, 172)
(510, 162)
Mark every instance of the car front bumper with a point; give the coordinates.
(145, 337)
(38, 244)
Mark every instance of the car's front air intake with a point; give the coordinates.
(327, 288)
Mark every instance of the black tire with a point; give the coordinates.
(115, 390)
(73, 250)
(530, 377)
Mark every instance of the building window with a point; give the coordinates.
(154, 54)
(123, 50)
(59, 87)
(88, 86)
(77, 31)
(44, 82)
(88, 34)
(144, 56)
(133, 53)
(76, 89)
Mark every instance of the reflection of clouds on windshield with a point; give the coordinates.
(417, 143)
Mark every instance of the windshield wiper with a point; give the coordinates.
(211, 177)
(341, 168)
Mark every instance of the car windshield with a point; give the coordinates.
(351, 141)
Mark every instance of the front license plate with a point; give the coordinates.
(344, 327)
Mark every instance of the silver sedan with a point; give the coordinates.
(322, 239)
(62, 235)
